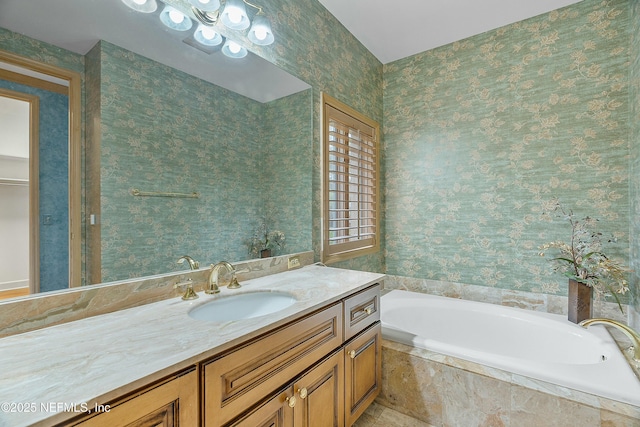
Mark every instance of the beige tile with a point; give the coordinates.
(411, 383)
(533, 408)
(470, 399)
(612, 419)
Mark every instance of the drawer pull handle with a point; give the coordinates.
(291, 401)
(352, 354)
(368, 310)
(302, 392)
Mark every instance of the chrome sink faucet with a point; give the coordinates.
(193, 264)
(630, 333)
(212, 283)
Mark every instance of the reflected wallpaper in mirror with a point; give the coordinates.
(157, 129)
(151, 127)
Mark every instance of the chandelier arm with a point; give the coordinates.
(206, 18)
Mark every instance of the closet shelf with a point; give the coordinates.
(14, 181)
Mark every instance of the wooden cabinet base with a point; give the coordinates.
(321, 370)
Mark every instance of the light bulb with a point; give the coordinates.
(176, 16)
(144, 6)
(206, 5)
(208, 33)
(261, 33)
(207, 36)
(233, 50)
(175, 19)
(235, 16)
(234, 47)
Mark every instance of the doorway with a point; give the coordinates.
(19, 249)
(54, 159)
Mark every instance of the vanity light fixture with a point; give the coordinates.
(232, 13)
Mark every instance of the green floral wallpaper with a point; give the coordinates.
(286, 168)
(481, 135)
(634, 119)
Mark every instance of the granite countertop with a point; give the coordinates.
(97, 359)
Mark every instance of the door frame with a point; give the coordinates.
(74, 80)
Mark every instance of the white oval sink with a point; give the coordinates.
(242, 306)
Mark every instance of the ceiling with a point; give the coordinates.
(396, 29)
(77, 25)
(419, 25)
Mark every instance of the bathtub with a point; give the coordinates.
(537, 345)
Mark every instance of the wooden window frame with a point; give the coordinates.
(368, 187)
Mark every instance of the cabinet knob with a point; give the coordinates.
(291, 401)
(352, 354)
(302, 392)
(368, 310)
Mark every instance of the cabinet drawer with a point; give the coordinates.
(361, 310)
(237, 380)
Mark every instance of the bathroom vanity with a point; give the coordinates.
(316, 362)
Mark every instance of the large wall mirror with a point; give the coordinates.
(161, 121)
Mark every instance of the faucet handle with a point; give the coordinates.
(189, 293)
(234, 282)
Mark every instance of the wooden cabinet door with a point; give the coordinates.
(276, 412)
(363, 372)
(320, 394)
(169, 404)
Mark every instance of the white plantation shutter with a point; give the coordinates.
(351, 182)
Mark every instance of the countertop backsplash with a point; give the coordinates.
(52, 308)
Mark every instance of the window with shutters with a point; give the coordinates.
(351, 188)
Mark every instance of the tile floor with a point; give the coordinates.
(380, 416)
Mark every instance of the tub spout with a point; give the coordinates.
(630, 333)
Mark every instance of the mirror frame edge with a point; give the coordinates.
(75, 155)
